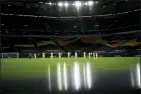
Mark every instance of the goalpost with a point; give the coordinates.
(10, 55)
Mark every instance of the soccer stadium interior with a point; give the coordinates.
(70, 46)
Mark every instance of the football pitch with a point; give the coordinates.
(24, 67)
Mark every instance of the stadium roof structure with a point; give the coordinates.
(54, 17)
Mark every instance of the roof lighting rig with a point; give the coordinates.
(75, 3)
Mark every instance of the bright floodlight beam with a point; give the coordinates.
(132, 79)
(138, 75)
(84, 75)
(90, 3)
(49, 78)
(60, 4)
(76, 76)
(59, 77)
(88, 75)
(65, 76)
(66, 4)
(78, 3)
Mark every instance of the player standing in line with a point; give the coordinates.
(84, 54)
(76, 55)
(96, 55)
(35, 55)
(60, 55)
(51, 55)
(30, 55)
(68, 54)
(89, 54)
(43, 55)
(93, 54)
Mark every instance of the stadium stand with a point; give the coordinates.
(103, 33)
(122, 47)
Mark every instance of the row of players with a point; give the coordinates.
(90, 54)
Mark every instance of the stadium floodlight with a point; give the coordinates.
(50, 3)
(90, 3)
(40, 2)
(78, 3)
(60, 4)
(86, 3)
(66, 4)
(96, 2)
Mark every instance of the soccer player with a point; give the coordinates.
(96, 55)
(84, 54)
(35, 55)
(89, 55)
(60, 55)
(76, 55)
(68, 54)
(51, 55)
(43, 55)
(93, 54)
(30, 55)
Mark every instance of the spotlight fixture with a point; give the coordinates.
(50, 3)
(86, 3)
(40, 2)
(60, 4)
(96, 2)
(78, 3)
(66, 4)
(90, 3)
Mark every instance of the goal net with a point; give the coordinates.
(10, 55)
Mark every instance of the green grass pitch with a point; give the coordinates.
(24, 67)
